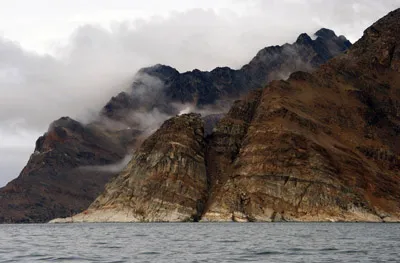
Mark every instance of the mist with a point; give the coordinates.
(151, 106)
(76, 73)
(111, 168)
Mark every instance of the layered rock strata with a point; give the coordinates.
(165, 181)
(317, 147)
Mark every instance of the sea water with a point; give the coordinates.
(201, 242)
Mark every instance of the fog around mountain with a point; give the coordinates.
(66, 58)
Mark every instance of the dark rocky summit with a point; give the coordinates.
(316, 147)
(55, 182)
(163, 84)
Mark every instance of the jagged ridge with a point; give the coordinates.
(204, 88)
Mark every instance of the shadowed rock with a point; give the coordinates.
(52, 183)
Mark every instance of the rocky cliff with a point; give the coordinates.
(316, 147)
(53, 183)
(165, 180)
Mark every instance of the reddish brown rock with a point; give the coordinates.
(322, 146)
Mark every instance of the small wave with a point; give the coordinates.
(297, 249)
(140, 235)
(100, 243)
(353, 252)
(113, 247)
(228, 241)
(72, 258)
(329, 249)
(269, 253)
(149, 253)
(37, 255)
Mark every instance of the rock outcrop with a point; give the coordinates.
(53, 183)
(317, 147)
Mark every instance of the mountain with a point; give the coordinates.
(321, 146)
(73, 161)
(162, 84)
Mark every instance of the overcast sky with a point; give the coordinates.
(68, 57)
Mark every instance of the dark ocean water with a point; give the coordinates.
(201, 242)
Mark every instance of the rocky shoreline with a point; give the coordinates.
(115, 216)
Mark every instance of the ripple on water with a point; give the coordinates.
(149, 253)
(268, 253)
(228, 241)
(186, 242)
(329, 249)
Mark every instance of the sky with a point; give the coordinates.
(69, 57)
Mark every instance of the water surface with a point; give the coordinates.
(201, 242)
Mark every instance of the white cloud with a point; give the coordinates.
(96, 46)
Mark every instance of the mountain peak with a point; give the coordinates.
(304, 39)
(325, 33)
(161, 71)
(66, 122)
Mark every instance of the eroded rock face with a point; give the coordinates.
(321, 146)
(165, 181)
(317, 147)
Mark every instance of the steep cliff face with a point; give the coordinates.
(165, 180)
(317, 147)
(321, 146)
